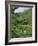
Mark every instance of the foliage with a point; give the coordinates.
(21, 24)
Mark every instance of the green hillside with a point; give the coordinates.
(21, 24)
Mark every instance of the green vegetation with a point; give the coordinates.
(21, 24)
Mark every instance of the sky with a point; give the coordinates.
(21, 9)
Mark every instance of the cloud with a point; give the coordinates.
(21, 9)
